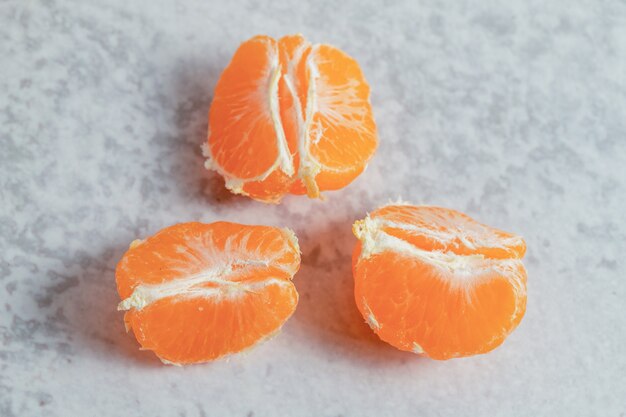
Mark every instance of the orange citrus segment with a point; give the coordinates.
(202, 328)
(194, 292)
(293, 112)
(438, 228)
(341, 132)
(434, 281)
(247, 138)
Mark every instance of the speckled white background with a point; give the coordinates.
(514, 113)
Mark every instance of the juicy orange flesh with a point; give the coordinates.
(346, 127)
(200, 329)
(334, 127)
(189, 248)
(247, 294)
(240, 144)
(416, 304)
(424, 224)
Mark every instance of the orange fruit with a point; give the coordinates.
(434, 281)
(194, 292)
(289, 117)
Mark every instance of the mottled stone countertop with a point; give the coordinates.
(514, 113)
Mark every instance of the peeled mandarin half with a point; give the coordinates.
(433, 281)
(194, 292)
(289, 117)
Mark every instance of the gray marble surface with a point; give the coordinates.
(514, 113)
